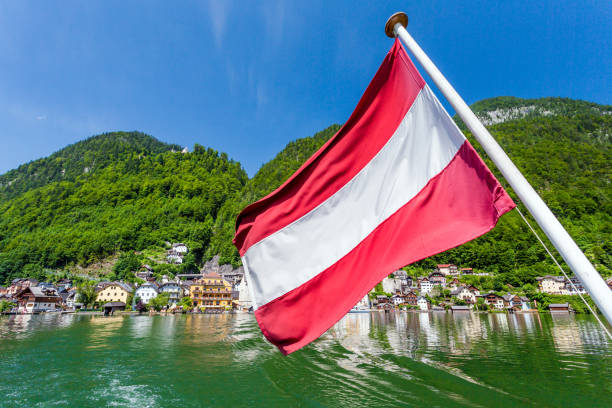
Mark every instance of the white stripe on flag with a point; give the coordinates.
(425, 142)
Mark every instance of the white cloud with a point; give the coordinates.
(41, 117)
(218, 11)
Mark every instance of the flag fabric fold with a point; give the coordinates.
(398, 183)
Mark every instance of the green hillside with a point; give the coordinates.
(565, 154)
(123, 192)
(79, 160)
(134, 202)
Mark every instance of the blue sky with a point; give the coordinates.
(247, 77)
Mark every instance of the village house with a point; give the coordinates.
(459, 308)
(467, 271)
(425, 285)
(211, 292)
(382, 301)
(516, 302)
(398, 299)
(34, 299)
(465, 293)
(411, 298)
(146, 292)
(573, 286)
(64, 284)
(437, 278)
(494, 300)
(447, 269)
(17, 285)
(554, 285)
(113, 292)
(145, 272)
(454, 284)
(174, 291)
(422, 303)
(3, 291)
(176, 253)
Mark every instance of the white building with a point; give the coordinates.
(555, 285)
(180, 248)
(422, 303)
(174, 291)
(244, 295)
(448, 269)
(425, 285)
(146, 292)
(34, 299)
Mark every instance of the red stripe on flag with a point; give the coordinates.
(378, 114)
(461, 203)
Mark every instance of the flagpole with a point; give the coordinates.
(571, 253)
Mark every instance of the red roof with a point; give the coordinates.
(444, 265)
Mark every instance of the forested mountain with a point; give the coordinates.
(79, 160)
(561, 145)
(138, 193)
(136, 201)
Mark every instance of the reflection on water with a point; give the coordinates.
(366, 359)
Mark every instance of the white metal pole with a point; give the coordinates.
(571, 253)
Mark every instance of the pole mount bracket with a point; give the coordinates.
(399, 17)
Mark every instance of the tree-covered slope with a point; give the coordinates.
(81, 159)
(136, 201)
(561, 145)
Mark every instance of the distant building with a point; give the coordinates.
(398, 299)
(494, 300)
(465, 293)
(176, 253)
(447, 269)
(459, 308)
(467, 271)
(574, 286)
(516, 302)
(422, 303)
(437, 278)
(19, 284)
(425, 285)
(559, 307)
(411, 298)
(211, 292)
(34, 299)
(174, 291)
(146, 292)
(554, 285)
(244, 295)
(113, 292)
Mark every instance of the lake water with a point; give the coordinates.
(366, 360)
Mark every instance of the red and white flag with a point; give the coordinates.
(398, 183)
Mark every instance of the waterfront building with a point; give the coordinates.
(113, 292)
(174, 290)
(555, 285)
(559, 307)
(244, 295)
(516, 302)
(454, 284)
(34, 299)
(411, 298)
(397, 299)
(146, 292)
(459, 308)
(211, 292)
(422, 303)
(465, 293)
(494, 300)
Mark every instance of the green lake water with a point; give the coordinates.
(366, 360)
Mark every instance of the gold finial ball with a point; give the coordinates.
(399, 17)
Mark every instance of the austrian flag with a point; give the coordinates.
(398, 183)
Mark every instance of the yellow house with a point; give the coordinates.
(114, 292)
(211, 292)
